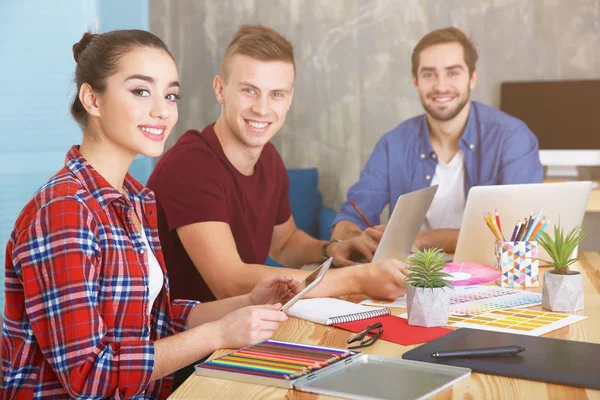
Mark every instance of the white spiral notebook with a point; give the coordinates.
(329, 311)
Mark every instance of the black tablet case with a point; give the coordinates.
(564, 362)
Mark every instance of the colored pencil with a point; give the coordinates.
(490, 224)
(301, 346)
(297, 368)
(259, 353)
(533, 225)
(542, 229)
(291, 360)
(498, 222)
(311, 353)
(302, 349)
(265, 363)
(361, 214)
(515, 231)
(256, 373)
(529, 222)
(315, 357)
(493, 220)
(537, 229)
(252, 367)
(521, 232)
(495, 226)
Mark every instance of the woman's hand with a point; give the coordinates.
(271, 290)
(248, 325)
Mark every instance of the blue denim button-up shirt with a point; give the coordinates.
(498, 149)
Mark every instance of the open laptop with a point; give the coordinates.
(404, 224)
(566, 201)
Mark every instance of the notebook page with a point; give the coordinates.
(324, 310)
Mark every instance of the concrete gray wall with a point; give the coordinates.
(353, 61)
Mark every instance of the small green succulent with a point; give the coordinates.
(425, 267)
(560, 248)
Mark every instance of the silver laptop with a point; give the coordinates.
(404, 224)
(565, 200)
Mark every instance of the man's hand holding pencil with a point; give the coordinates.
(371, 236)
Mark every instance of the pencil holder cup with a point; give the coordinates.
(518, 263)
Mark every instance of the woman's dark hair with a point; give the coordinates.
(97, 56)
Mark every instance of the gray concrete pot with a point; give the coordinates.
(427, 307)
(562, 292)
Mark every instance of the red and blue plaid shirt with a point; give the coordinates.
(77, 321)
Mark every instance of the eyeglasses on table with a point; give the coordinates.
(364, 341)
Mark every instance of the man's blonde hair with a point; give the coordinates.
(259, 42)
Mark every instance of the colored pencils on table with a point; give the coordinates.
(280, 360)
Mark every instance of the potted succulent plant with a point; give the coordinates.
(427, 299)
(562, 290)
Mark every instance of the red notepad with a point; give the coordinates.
(397, 330)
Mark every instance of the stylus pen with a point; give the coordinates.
(484, 351)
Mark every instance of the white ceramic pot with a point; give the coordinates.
(562, 292)
(427, 307)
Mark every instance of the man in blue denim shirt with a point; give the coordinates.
(456, 144)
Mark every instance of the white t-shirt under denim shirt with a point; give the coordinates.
(156, 278)
(448, 205)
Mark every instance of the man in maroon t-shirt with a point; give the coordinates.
(223, 192)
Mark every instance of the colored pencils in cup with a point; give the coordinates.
(521, 231)
(491, 223)
(541, 229)
(529, 229)
(533, 226)
(515, 231)
(498, 223)
(536, 229)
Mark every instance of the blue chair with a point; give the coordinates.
(307, 205)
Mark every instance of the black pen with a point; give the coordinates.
(480, 352)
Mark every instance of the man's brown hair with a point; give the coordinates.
(446, 35)
(259, 42)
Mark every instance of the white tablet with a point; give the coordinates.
(306, 285)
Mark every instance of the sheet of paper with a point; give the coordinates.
(397, 330)
(399, 302)
(514, 320)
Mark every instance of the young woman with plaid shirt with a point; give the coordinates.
(88, 311)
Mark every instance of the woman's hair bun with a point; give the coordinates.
(80, 46)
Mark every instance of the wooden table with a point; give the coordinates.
(477, 386)
(593, 204)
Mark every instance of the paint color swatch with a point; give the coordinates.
(277, 360)
(473, 300)
(516, 320)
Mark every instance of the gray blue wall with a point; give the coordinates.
(353, 58)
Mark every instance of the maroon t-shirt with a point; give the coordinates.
(195, 182)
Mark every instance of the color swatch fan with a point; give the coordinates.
(467, 274)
